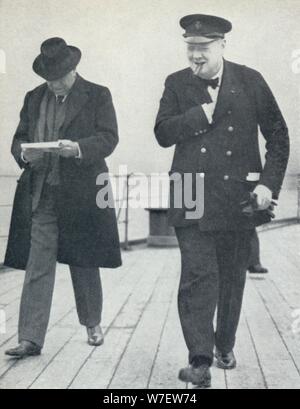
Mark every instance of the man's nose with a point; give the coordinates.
(197, 55)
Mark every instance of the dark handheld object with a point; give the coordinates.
(250, 209)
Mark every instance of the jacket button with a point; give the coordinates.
(196, 133)
(226, 177)
(228, 153)
(203, 150)
(230, 128)
(229, 112)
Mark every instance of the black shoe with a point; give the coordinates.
(257, 269)
(225, 361)
(199, 376)
(25, 349)
(95, 336)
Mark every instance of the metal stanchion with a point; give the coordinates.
(126, 240)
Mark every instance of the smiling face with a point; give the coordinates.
(206, 58)
(63, 85)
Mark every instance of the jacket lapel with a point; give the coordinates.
(76, 100)
(229, 91)
(34, 109)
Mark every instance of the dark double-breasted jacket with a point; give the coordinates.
(88, 235)
(225, 152)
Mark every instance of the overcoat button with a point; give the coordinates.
(203, 150)
(228, 153)
(229, 112)
(202, 175)
(230, 128)
(196, 133)
(226, 177)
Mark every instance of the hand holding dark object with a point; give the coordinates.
(250, 208)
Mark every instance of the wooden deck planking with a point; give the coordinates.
(85, 353)
(284, 269)
(11, 279)
(99, 370)
(10, 341)
(282, 317)
(24, 372)
(144, 346)
(59, 314)
(62, 306)
(135, 367)
(278, 369)
(247, 374)
(171, 354)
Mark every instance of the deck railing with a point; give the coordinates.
(133, 223)
(288, 209)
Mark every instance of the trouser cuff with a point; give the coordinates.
(198, 359)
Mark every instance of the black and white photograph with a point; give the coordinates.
(149, 197)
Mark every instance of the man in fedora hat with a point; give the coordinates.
(55, 215)
(211, 113)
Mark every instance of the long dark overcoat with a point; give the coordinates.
(225, 152)
(88, 235)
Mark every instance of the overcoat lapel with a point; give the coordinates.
(77, 99)
(34, 109)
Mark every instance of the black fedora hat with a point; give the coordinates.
(56, 59)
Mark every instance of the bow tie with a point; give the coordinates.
(214, 83)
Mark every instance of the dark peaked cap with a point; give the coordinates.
(203, 25)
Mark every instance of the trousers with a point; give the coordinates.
(213, 275)
(255, 251)
(39, 280)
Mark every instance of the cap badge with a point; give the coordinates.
(198, 25)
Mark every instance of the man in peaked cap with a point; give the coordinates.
(55, 215)
(211, 113)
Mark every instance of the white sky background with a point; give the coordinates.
(131, 46)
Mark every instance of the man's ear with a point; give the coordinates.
(223, 43)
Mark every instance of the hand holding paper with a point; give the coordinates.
(32, 155)
(68, 149)
(62, 147)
